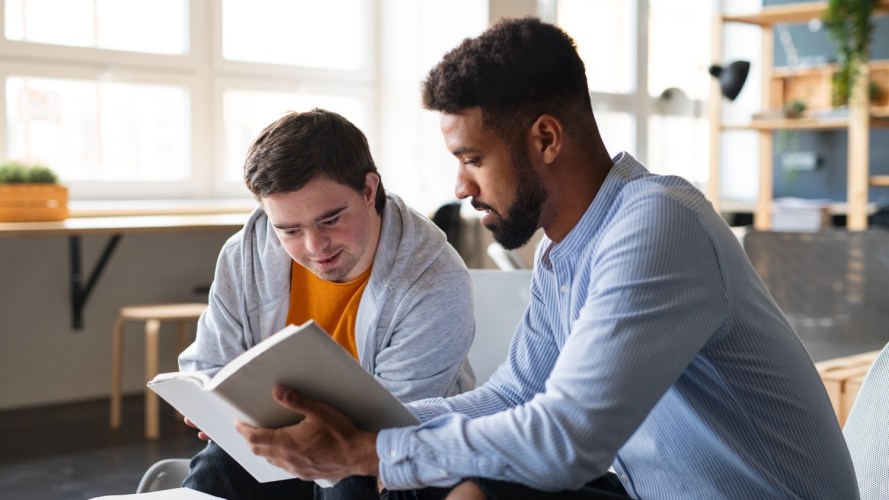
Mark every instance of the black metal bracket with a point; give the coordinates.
(79, 292)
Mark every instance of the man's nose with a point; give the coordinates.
(465, 186)
(316, 241)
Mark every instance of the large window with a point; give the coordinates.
(161, 98)
(103, 24)
(646, 63)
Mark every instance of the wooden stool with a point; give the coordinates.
(152, 315)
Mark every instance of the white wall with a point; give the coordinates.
(42, 360)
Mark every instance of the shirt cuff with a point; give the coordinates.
(396, 471)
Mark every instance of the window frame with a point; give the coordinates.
(205, 75)
(637, 102)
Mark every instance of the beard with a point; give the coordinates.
(523, 218)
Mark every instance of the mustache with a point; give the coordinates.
(480, 206)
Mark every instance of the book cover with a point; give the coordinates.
(303, 357)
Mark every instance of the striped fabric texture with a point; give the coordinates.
(652, 346)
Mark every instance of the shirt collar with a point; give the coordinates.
(624, 169)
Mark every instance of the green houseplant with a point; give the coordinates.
(849, 24)
(31, 193)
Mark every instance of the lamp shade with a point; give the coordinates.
(731, 78)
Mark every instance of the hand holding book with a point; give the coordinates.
(314, 449)
(303, 358)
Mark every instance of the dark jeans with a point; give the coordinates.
(607, 487)
(214, 472)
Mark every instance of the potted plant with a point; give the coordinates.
(31, 193)
(849, 23)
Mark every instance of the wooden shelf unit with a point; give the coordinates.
(804, 123)
(791, 13)
(810, 85)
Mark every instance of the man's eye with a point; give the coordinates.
(470, 161)
(330, 222)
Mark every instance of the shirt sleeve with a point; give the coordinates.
(532, 349)
(655, 296)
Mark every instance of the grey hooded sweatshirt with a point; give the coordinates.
(415, 319)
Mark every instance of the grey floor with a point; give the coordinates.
(68, 451)
(833, 286)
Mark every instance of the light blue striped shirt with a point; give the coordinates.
(650, 344)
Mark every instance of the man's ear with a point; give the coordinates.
(546, 137)
(371, 184)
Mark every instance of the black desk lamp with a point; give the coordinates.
(731, 78)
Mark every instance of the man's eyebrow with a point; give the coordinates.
(326, 215)
(463, 150)
(331, 213)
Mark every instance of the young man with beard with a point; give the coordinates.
(650, 345)
(328, 243)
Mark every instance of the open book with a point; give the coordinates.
(303, 357)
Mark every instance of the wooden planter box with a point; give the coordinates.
(33, 202)
(842, 378)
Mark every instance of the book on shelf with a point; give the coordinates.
(303, 357)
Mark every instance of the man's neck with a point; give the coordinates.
(573, 189)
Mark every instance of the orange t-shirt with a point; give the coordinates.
(334, 306)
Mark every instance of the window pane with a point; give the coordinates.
(95, 131)
(618, 130)
(247, 112)
(679, 145)
(132, 25)
(328, 34)
(679, 47)
(604, 33)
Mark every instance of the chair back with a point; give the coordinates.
(165, 474)
(500, 299)
(867, 430)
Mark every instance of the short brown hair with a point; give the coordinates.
(298, 147)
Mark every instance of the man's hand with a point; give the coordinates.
(324, 445)
(201, 434)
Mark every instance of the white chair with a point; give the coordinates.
(867, 430)
(165, 474)
(501, 298)
(505, 259)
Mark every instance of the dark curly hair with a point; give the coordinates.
(298, 147)
(515, 71)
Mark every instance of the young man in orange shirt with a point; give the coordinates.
(328, 243)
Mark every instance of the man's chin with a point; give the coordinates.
(333, 274)
(511, 240)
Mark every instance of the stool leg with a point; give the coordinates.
(116, 372)
(152, 427)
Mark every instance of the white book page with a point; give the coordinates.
(172, 494)
(215, 417)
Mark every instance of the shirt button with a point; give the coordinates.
(393, 454)
(564, 288)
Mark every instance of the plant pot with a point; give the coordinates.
(33, 202)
